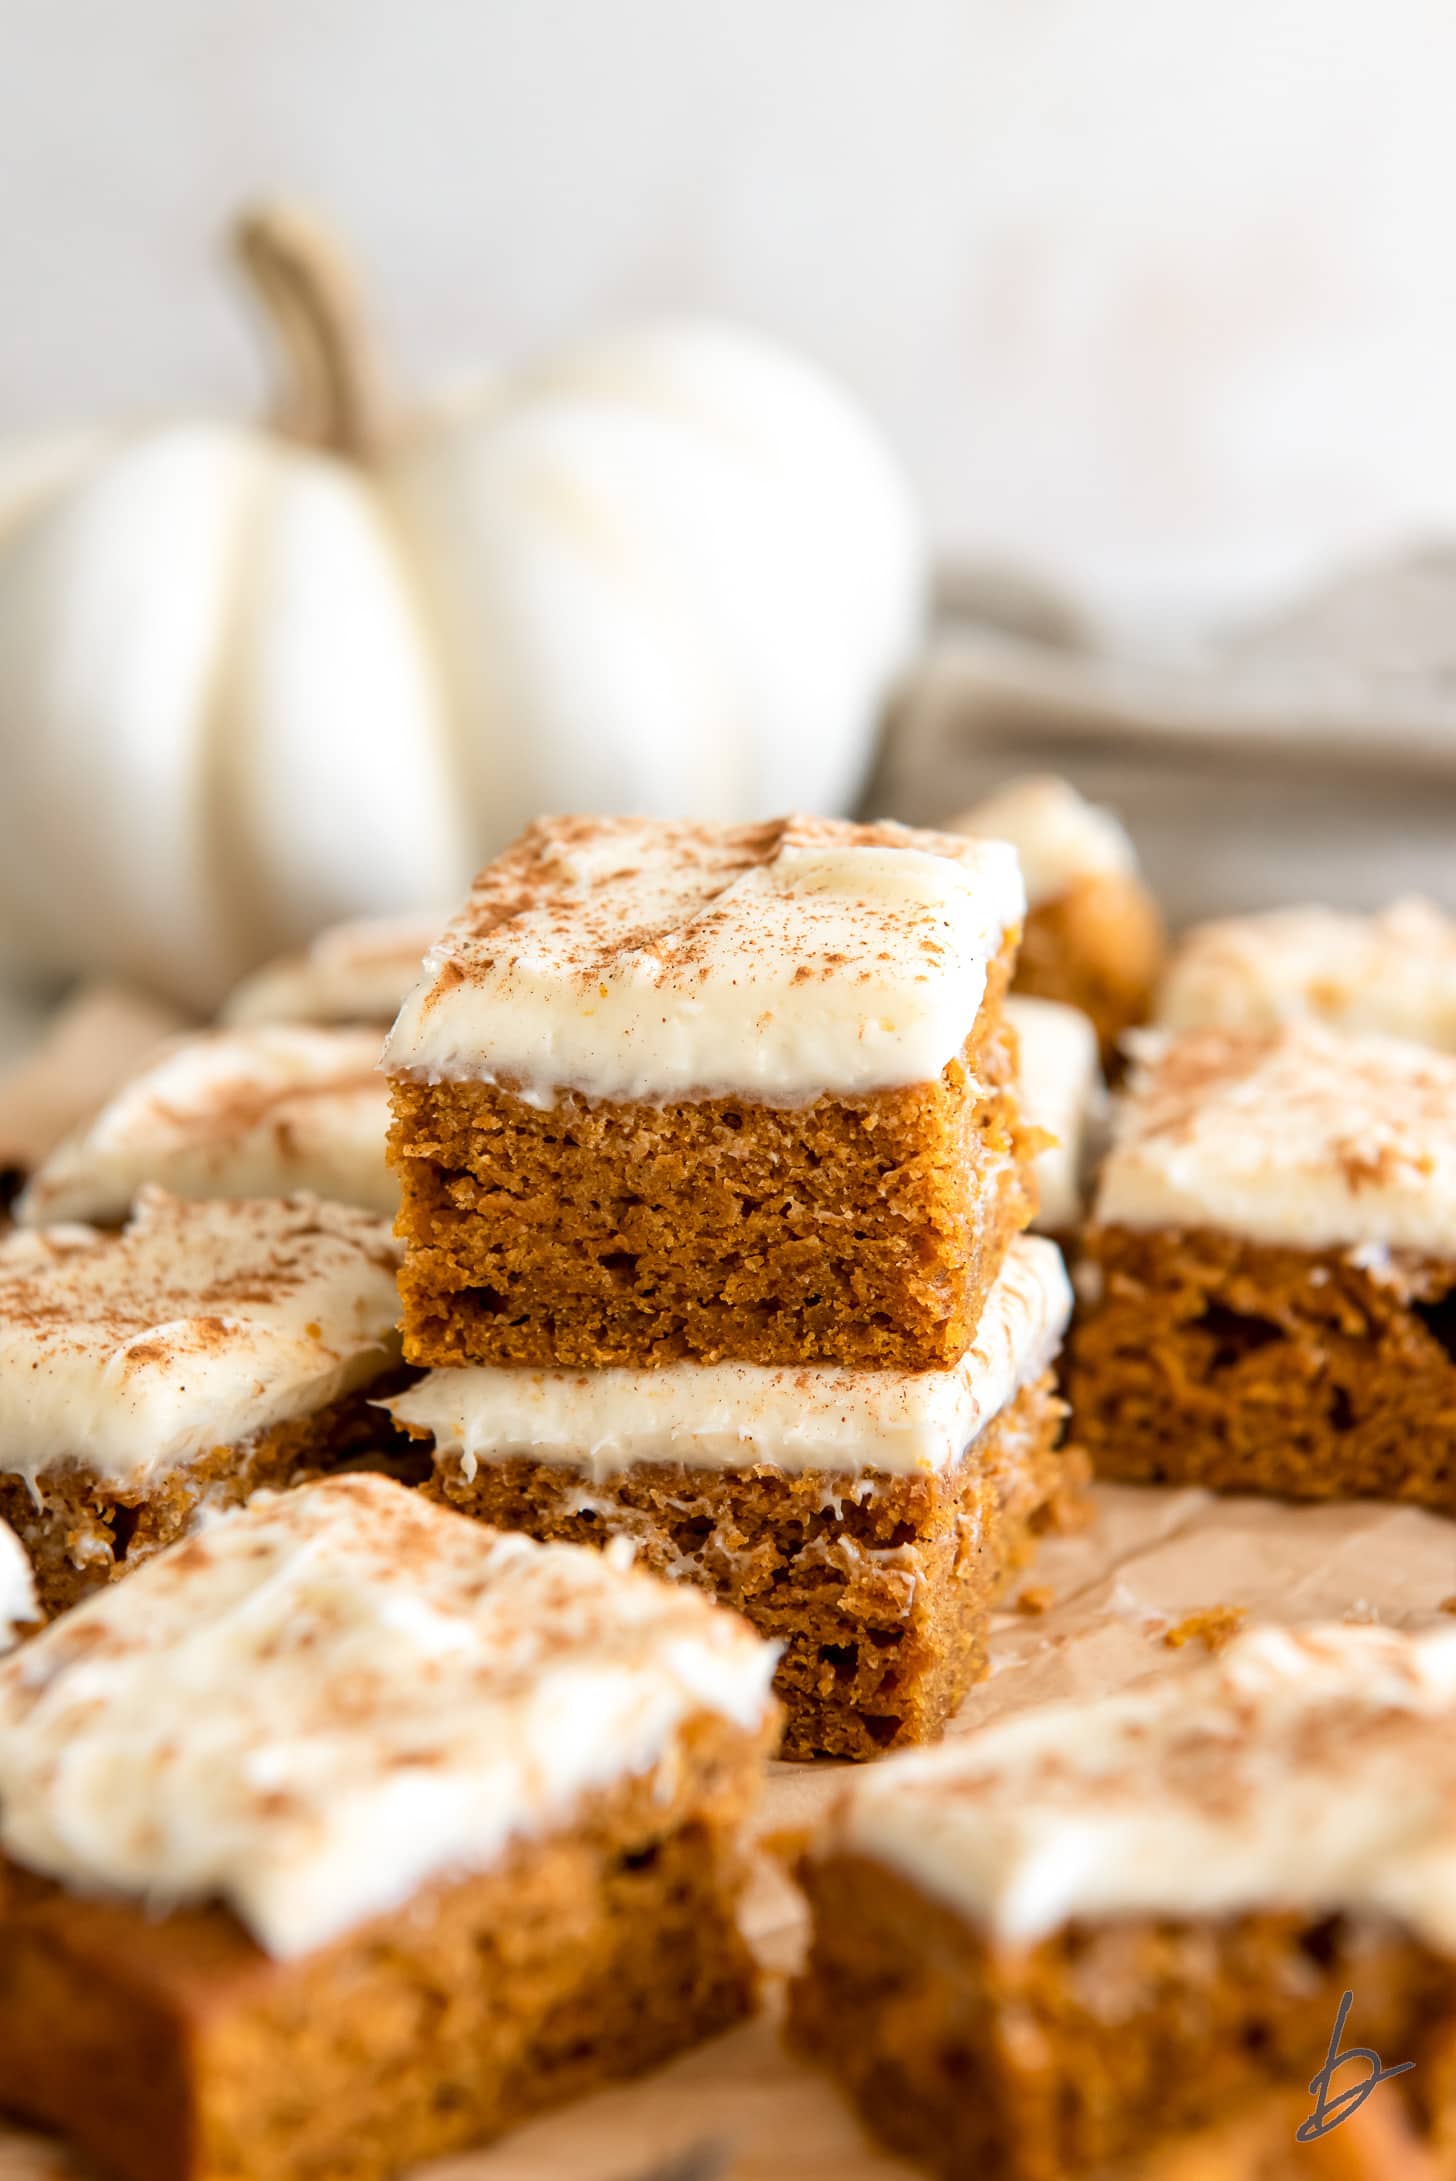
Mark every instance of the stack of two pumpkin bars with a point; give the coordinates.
(713, 1188)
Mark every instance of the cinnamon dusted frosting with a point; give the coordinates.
(1394, 972)
(199, 1325)
(328, 1700)
(352, 973)
(629, 959)
(19, 1606)
(1058, 835)
(1311, 1770)
(231, 1113)
(1305, 1138)
(1062, 1091)
(737, 1415)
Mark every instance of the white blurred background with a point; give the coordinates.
(1156, 295)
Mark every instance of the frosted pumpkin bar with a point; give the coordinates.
(725, 1092)
(1269, 1279)
(1094, 934)
(230, 1113)
(356, 972)
(865, 1520)
(1059, 1082)
(1056, 1940)
(349, 1833)
(172, 1368)
(1393, 973)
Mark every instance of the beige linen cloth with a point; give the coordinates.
(1308, 756)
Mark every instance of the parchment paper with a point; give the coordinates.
(1111, 1594)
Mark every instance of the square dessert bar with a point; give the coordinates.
(721, 1092)
(1059, 1082)
(1094, 935)
(348, 1833)
(230, 1113)
(1052, 1942)
(152, 1375)
(354, 973)
(865, 1520)
(1393, 973)
(1269, 1282)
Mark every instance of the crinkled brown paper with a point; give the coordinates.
(1110, 1595)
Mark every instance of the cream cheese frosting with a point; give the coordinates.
(1058, 835)
(738, 1415)
(1307, 1138)
(19, 1606)
(352, 973)
(1392, 973)
(1309, 1770)
(332, 1698)
(199, 1325)
(231, 1113)
(632, 959)
(1061, 1087)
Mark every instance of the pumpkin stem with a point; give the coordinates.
(331, 390)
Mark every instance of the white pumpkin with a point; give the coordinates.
(254, 680)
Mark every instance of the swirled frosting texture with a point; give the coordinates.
(1309, 1770)
(1303, 1138)
(1392, 973)
(199, 1325)
(338, 1695)
(634, 959)
(231, 1113)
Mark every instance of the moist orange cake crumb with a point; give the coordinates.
(376, 1832)
(1211, 1625)
(153, 1375)
(866, 1521)
(1269, 1280)
(673, 1091)
(1050, 1943)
